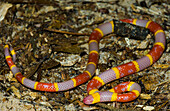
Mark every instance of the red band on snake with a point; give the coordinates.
(114, 94)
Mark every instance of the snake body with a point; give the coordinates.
(114, 94)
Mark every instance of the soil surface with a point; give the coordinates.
(51, 42)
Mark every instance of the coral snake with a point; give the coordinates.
(114, 94)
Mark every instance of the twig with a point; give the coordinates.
(64, 32)
(167, 81)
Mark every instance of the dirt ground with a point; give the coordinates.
(51, 42)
